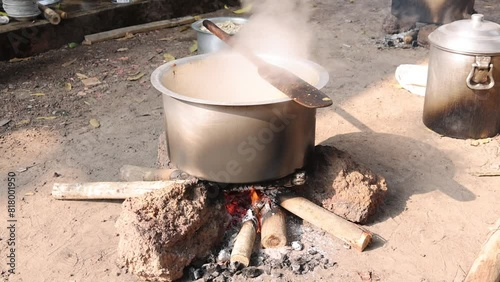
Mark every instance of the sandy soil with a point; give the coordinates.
(431, 227)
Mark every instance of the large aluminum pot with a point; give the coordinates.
(225, 124)
(462, 98)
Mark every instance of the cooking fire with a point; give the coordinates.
(174, 225)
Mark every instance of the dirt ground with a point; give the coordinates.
(431, 227)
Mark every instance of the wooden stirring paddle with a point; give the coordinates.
(291, 85)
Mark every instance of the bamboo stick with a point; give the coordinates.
(273, 233)
(108, 190)
(486, 267)
(243, 246)
(345, 230)
(49, 14)
(61, 13)
(120, 32)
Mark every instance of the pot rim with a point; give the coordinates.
(157, 75)
(197, 24)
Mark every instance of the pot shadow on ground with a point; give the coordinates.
(409, 166)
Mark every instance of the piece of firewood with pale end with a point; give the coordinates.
(273, 227)
(486, 267)
(108, 190)
(243, 245)
(345, 230)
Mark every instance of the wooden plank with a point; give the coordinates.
(121, 32)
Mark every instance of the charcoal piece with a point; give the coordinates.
(164, 231)
(312, 251)
(235, 266)
(219, 278)
(195, 274)
(318, 256)
(251, 272)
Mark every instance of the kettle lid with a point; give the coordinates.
(474, 36)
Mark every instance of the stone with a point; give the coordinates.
(164, 231)
(343, 186)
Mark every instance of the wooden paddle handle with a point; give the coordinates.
(326, 220)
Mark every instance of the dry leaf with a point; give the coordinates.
(68, 63)
(92, 81)
(68, 86)
(197, 18)
(193, 47)
(226, 7)
(23, 122)
(121, 49)
(135, 77)
(86, 103)
(81, 76)
(244, 10)
(29, 194)
(168, 57)
(184, 28)
(94, 123)
(46, 118)
(128, 35)
(38, 94)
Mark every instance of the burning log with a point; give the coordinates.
(137, 173)
(347, 231)
(245, 240)
(108, 190)
(273, 233)
(486, 267)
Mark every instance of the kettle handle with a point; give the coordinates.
(475, 80)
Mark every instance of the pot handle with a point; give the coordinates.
(482, 72)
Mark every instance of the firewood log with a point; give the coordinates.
(108, 190)
(243, 246)
(345, 230)
(486, 267)
(49, 14)
(273, 230)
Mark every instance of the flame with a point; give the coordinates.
(254, 196)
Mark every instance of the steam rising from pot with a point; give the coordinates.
(278, 27)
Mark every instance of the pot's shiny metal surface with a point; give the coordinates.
(207, 42)
(462, 97)
(237, 143)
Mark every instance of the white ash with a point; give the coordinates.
(400, 40)
(227, 26)
(298, 246)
